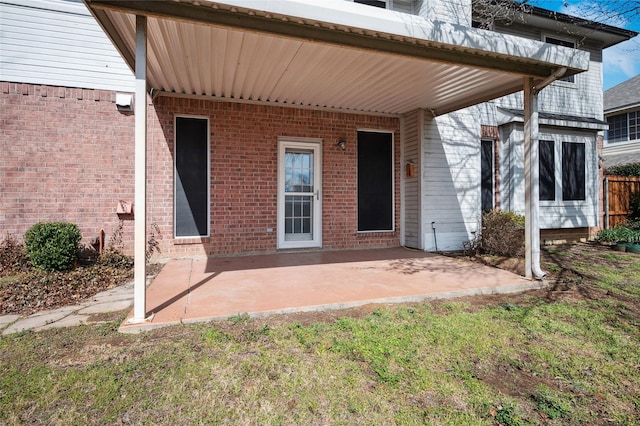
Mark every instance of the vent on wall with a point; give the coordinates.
(124, 102)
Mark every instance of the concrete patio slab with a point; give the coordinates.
(199, 290)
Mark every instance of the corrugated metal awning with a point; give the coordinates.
(337, 55)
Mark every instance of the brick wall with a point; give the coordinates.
(67, 155)
(243, 153)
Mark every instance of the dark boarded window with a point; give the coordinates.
(546, 161)
(376, 3)
(191, 177)
(375, 181)
(573, 171)
(486, 170)
(565, 43)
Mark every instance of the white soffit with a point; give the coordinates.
(229, 52)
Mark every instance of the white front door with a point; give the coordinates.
(299, 193)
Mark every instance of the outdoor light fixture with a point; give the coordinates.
(342, 144)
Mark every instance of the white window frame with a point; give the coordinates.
(175, 123)
(569, 84)
(628, 127)
(557, 168)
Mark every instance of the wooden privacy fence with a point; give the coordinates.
(617, 198)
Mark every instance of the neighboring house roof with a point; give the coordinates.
(619, 101)
(338, 55)
(518, 11)
(622, 96)
(620, 159)
(609, 33)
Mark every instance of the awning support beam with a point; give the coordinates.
(140, 200)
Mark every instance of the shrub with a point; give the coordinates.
(632, 169)
(53, 246)
(13, 256)
(502, 233)
(619, 234)
(114, 258)
(633, 224)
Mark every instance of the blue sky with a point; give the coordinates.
(621, 61)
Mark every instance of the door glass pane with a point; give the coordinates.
(298, 217)
(298, 173)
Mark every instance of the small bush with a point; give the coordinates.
(619, 234)
(114, 258)
(633, 224)
(632, 169)
(502, 234)
(13, 256)
(53, 246)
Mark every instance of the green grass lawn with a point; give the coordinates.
(567, 354)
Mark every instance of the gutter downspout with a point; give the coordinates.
(531, 174)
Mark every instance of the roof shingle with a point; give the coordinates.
(625, 94)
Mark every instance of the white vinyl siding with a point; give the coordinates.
(451, 179)
(58, 43)
(453, 11)
(582, 98)
(411, 191)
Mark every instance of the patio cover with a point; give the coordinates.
(333, 54)
(326, 54)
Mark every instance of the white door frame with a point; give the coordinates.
(306, 144)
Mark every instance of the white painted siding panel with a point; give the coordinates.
(454, 11)
(451, 179)
(58, 43)
(581, 98)
(411, 190)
